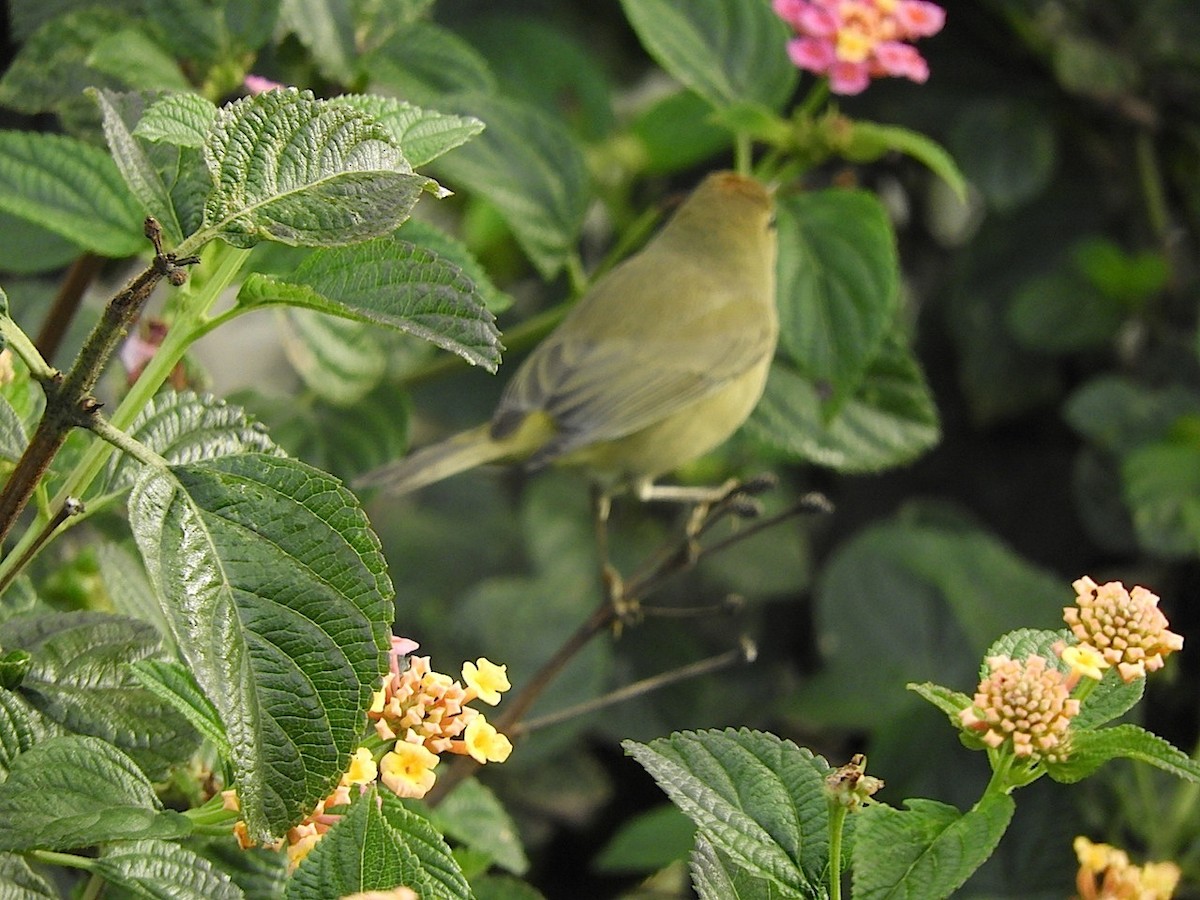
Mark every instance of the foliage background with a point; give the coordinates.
(1055, 319)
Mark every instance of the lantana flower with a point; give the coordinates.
(1125, 627)
(1026, 703)
(853, 41)
(1105, 873)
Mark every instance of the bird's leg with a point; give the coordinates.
(610, 578)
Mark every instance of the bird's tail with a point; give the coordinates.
(449, 457)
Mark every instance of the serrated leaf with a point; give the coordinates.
(21, 727)
(388, 282)
(79, 679)
(838, 285)
(278, 597)
(450, 248)
(13, 438)
(727, 51)
(184, 427)
(160, 870)
(472, 815)
(778, 832)
(173, 683)
(422, 134)
(1092, 748)
(290, 168)
(136, 168)
(928, 850)
(1025, 642)
(715, 877)
(74, 791)
(891, 419)
(1111, 698)
(378, 846)
(19, 882)
(70, 188)
(180, 119)
(948, 701)
(532, 170)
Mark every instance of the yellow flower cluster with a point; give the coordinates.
(1026, 702)
(1105, 873)
(1125, 627)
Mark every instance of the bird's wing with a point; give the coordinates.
(607, 373)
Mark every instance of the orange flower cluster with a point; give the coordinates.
(1106, 873)
(1025, 702)
(1125, 627)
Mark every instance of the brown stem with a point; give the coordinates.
(66, 303)
(68, 398)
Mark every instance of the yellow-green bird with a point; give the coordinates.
(659, 362)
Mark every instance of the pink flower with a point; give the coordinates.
(853, 41)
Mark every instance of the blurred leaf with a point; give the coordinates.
(163, 869)
(379, 846)
(838, 285)
(568, 81)
(890, 421)
(326, 28)
(1162, 489)
(675, 133)
(73, 791)
(1063, 312)
(422, 135)
(727, 51)
(388, 282)
(29, 249)
(1128, 278)
(472, 815)
(137, 60)
(648, 841)
(214, 33)
(288, 654)
(79, 679)
(51, 68)
(1119, 415)
(19, 882)
(423, 63)
(503, 887)
(1091, 749)
(870, 140)
(269, 186)
(948, 701)
(529, 166)
(1007, 148)
(927, 850)
(1086, 66)
(339, 360)
(70, 188)
(778, 832)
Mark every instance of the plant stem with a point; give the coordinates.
(837, 822)
(20, 344)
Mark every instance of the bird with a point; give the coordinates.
(660, 361)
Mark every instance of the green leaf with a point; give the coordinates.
(1162, 490)
(326, 28)
(70, 188)
(181, 119)
(675, 134)
(648, 842)
(870, 140)
(422, 135)
(928, 850)
(838, 285)
(28, 249)
(174, 683)
(948, 701)
(278, 597)
(52, 68)
(1092, 748)
(21, 727)
(531, 169)
(473, 816)
(164, 871)
(184, 427)
(1008, 149)
(79, 679)
(339, 360)
(727, 51)
(388, 282)
(778, 832)
(19, 882)
(423, 63)
(13, 438)
(1119, 415)
(1063, 312)
(454, 251)
(137, 60)
(271, 183)
(73, 791)
(131, 158)
(891, 419)
(716, 877)
(378, 846)
(129, 590)
(214, 35)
